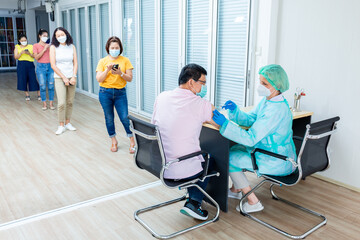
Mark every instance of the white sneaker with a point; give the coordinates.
(70, 127)
(257, 207)
(235, 195)
(60, 130)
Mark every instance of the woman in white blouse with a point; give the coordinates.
(63, 61)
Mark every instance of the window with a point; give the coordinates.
(170, 43)
(104, 27)
(83, 58)
(64, 19)
(231, 60)
(198, 32)
(9, 27)
(148, 55)
(159, 37)
(93, 48)
(89, 28)
(129, 45)
(73, 35)
(72, 25)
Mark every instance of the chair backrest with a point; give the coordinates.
(313, 155)
(149, 154)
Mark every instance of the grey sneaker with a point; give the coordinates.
(236, 195)
(257, 207)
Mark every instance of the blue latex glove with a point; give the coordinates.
(218, 117)
(229, 105)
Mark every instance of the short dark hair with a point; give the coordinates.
(56, 43)
(41, 31)
(111, 40)
(191, 71)
(21, 35)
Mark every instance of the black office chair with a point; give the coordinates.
(312, 151)
(149, 155)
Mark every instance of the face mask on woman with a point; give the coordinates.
(44, 39)
(114, 52)
(263, 91)
(24, 43)
(62, 39)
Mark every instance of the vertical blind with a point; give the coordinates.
(72, 25)
(232, 38)
(93, 48)
(104, 27)
(197, 32)
(147, 55)
(83, 58)
(170, 43)
(129, 45)
(73, 34)
(64, 19)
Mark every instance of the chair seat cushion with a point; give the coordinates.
(287, 180)
(173, 183)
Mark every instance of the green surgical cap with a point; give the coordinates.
(276, 76)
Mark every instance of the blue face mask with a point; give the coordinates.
(114, 52)
(202, 92)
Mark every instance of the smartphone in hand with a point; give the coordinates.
(115, 67)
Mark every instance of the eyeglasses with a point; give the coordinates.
(202, 82)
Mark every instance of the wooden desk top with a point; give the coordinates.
(296, 115)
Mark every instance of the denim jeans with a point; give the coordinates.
(45, 76)
(194, 193)
(110, 98)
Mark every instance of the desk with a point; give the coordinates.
(218, 147)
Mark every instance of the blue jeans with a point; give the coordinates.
(194, 193)
(46, 80)
(110, 98)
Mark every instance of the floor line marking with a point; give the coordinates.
(72, 207)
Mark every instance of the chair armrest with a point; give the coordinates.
(194, 154)
(298, 138)
(185, 157)
(253, 158)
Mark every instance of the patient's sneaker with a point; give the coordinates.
(193, 209)
(251, 208)
(236, 195)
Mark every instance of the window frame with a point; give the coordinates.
(76, 6)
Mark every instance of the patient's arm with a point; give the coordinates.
(212, 121)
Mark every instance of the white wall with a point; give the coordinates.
(30, 20)
(9, 4)
(318, 45)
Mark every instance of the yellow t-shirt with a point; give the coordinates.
(111, 80)
(25, 57)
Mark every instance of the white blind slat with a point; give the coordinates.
(169, 44)
(104, 27)
(129, 45)
(64, 19)
(82, 37)
(231, 57)
(93, 48)
(148, 54)
(197, 32)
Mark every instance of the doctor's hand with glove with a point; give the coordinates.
(229, 105)
(219, 118)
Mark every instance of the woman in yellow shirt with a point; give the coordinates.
(113, 72)
(25, 68)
